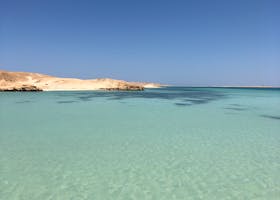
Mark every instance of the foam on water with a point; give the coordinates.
(170, 143)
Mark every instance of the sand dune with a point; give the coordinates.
(22, 81)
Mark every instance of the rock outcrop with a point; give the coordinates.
(22, 88)
(125, 88)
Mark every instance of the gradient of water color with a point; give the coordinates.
(169, 143)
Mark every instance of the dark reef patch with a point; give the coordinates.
(271, 116)
(188, 96)
(182, 104)
(66, 101)
(236, 109)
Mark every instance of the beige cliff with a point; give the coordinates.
(25, 81)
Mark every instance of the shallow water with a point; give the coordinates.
(169, 143)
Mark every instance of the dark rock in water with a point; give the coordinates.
(125, 88)
(22, 88)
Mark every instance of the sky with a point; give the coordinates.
(177, 42)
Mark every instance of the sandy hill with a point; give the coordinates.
(26, 81)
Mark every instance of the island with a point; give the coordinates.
(27, 81)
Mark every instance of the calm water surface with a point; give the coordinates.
(169, 143)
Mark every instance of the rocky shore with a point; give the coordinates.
(23, 88)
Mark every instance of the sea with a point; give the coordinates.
(159, 144)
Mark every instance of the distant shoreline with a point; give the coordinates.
(233, 87)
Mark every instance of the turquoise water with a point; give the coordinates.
(169, 143)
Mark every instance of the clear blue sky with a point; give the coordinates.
(188, 42)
